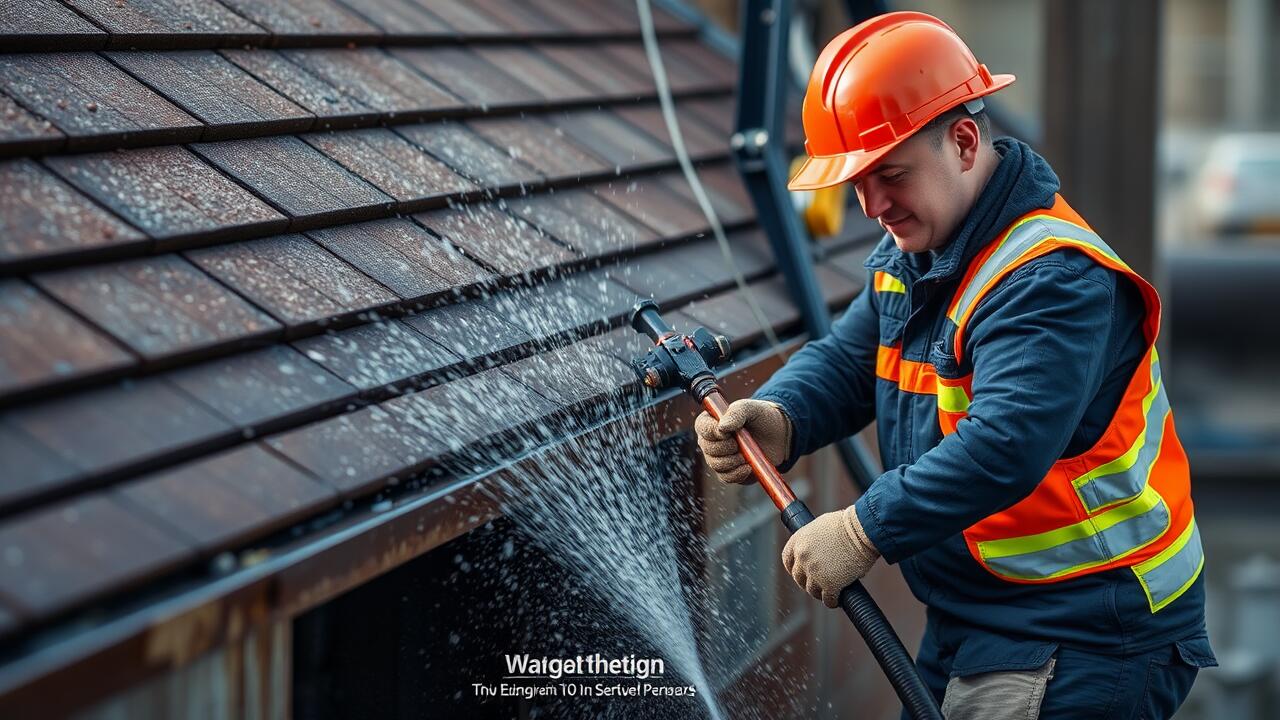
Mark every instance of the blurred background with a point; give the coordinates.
(1163, 120)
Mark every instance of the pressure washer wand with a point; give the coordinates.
(686, 361)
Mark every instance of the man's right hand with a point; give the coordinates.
(764, 420)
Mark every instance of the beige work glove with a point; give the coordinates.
(827, 555)
(764, 420)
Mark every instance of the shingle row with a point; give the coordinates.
(170, 24)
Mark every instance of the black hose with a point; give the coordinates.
(875, 629)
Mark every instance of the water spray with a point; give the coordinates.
(686, 361)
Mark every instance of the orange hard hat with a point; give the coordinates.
(875, 85)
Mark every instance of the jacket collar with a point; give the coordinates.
(1021, 182)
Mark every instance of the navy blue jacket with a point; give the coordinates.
(1053, 346)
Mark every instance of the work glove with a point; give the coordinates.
(827, 555)
(764, 420)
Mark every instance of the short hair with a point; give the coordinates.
(936, 127)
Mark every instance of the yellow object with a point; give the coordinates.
(822, 209)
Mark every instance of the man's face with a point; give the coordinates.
(920, 194)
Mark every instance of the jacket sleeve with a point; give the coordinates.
(1038, 345)
(827, 389)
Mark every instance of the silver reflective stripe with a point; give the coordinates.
(1123, 478)
(1109, 544)
(1171, 572)
(1023, 237)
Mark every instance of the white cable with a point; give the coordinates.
(686, 165)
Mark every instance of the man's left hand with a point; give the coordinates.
(827, 555)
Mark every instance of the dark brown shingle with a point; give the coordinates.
(264, 388)
(101, 545)
(610, 137)
(585, 223)
(94, 102)
(228, 499)
(469, 154)
(540, 146)
(294, 279)
(332, 107)
(315, 21)
(165, 24)
(44, 344)
(412, 262)
(651, 203)
(357, 452)
(46, 25)
(392, 164)
(118, 428)
(298, 179)
(403, 19)
(218, 93)
(508, 245)
(526, 65)
(376, 79)
(469, 76)
(471, 330)
(158, 307)
(22, 133)
(169, 194)
(613, 79)
(378, 354)
(40, 216)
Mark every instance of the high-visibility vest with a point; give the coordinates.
(1126, 501)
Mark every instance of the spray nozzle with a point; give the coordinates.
(675, 359)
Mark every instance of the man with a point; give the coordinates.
(1037, 498)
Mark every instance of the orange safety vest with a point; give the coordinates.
(1125, 502)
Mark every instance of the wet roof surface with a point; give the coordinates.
(259, 257)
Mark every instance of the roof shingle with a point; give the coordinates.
(228, 499)
(469, 154)
(507, 244)
(23, 133)
(170, 194)
(218, 93)
(102, 545)
(298, 179)
(93, 102)
(262, 389)
(41, 216)
(395, 166)
(45, 344)
(306, 21)
(43, 24)
(412, 262)
(165, 24)
(378, 354)
(332, 107)
(377, 80)
(298, 282)
(158, 307)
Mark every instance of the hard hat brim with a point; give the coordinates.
(827, 170)
(824, 171)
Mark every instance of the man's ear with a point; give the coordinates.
(964, 138)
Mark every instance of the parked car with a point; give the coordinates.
(1238, 188)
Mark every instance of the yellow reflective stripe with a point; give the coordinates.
(999, 259)
(1145, 568)
(884, 282)
(954, 313)
(952, 398)
(1130, 457)
(1008, 547)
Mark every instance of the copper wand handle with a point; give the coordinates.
(770, 479)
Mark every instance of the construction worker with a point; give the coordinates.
(1037, 498)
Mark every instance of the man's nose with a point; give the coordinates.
(874, 200)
